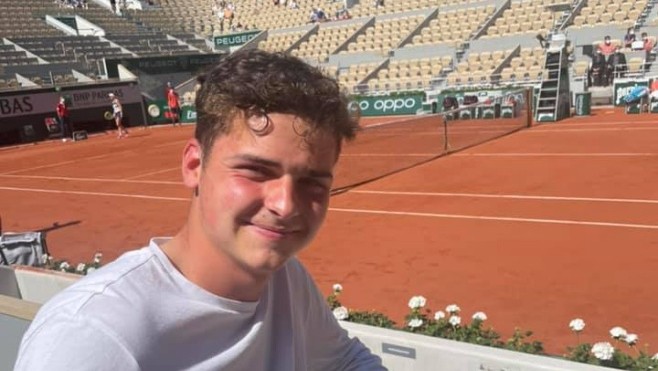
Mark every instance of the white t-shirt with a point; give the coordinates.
(140, 313)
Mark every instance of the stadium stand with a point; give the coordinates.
(369, 46)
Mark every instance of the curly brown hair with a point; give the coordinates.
(255, 83)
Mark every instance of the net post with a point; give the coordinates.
(528, 99)
(446, 145)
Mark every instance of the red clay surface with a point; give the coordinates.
(536, 228)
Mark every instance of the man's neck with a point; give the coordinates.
(209, 268)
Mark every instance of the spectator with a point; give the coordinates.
(342, 14)
(599, 70)
(228, 15)
(629, 38)
(647, 43)
(313, 16)
(322, 16)
(542, 40)
(607, 48)
(616, 65)
(63, 119)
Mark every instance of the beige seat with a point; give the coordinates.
(636, 65)
(580, 68)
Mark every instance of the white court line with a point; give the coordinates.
(498, 218)
(83, 193)
(103, 180)
(362, 211)
(388, 154)
(170, 143)
(520, 197)
(153, 173)
(81, 159)
(531, 154)
(57, 164)
(593, 129)
(571, 124)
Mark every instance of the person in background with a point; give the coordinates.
(607, 47)
(117, 114)
(173, 101)
(616, 65)
(629, 38)
(63, 119)
(599, 70)
(226, 292)
(648, 44)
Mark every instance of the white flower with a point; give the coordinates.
(417, 302)
(341, 313)
(64, 266)
(618, 332)
(415, 323)
(97, 257)
(91, 270)
(439, 315)
(480, 316)
(603, 351)
(453, 309)
(44, 258)
(655, 357)
(631, 339)
(577, 325)
(81, 267)
(337, 287)
(455, 320)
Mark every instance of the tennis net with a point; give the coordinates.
(391, 145)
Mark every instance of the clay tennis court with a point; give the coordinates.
(535, 228)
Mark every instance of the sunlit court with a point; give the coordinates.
(534, 226)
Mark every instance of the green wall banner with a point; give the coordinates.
(188, 114)
(388, 105)
(162, 64)
(158, 111)
(234, 39)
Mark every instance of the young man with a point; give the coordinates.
(174, 105)
(225, 293)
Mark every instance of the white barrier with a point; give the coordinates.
(400, 351)
(404, 351)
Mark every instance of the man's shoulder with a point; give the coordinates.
(103, 286)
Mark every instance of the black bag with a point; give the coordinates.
(23, 248)
(470, 99)
(450, 103)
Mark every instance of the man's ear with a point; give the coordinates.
(192, 164)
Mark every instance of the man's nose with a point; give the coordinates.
(281, 198)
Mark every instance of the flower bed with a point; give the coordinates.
(449, 324)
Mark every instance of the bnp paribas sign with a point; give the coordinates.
(224, 42)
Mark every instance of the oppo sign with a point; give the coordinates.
(378, 106)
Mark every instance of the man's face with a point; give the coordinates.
(262, 198)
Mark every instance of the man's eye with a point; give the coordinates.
(316, 185)
(255, 170)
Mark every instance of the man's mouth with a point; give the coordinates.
(274, 231)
